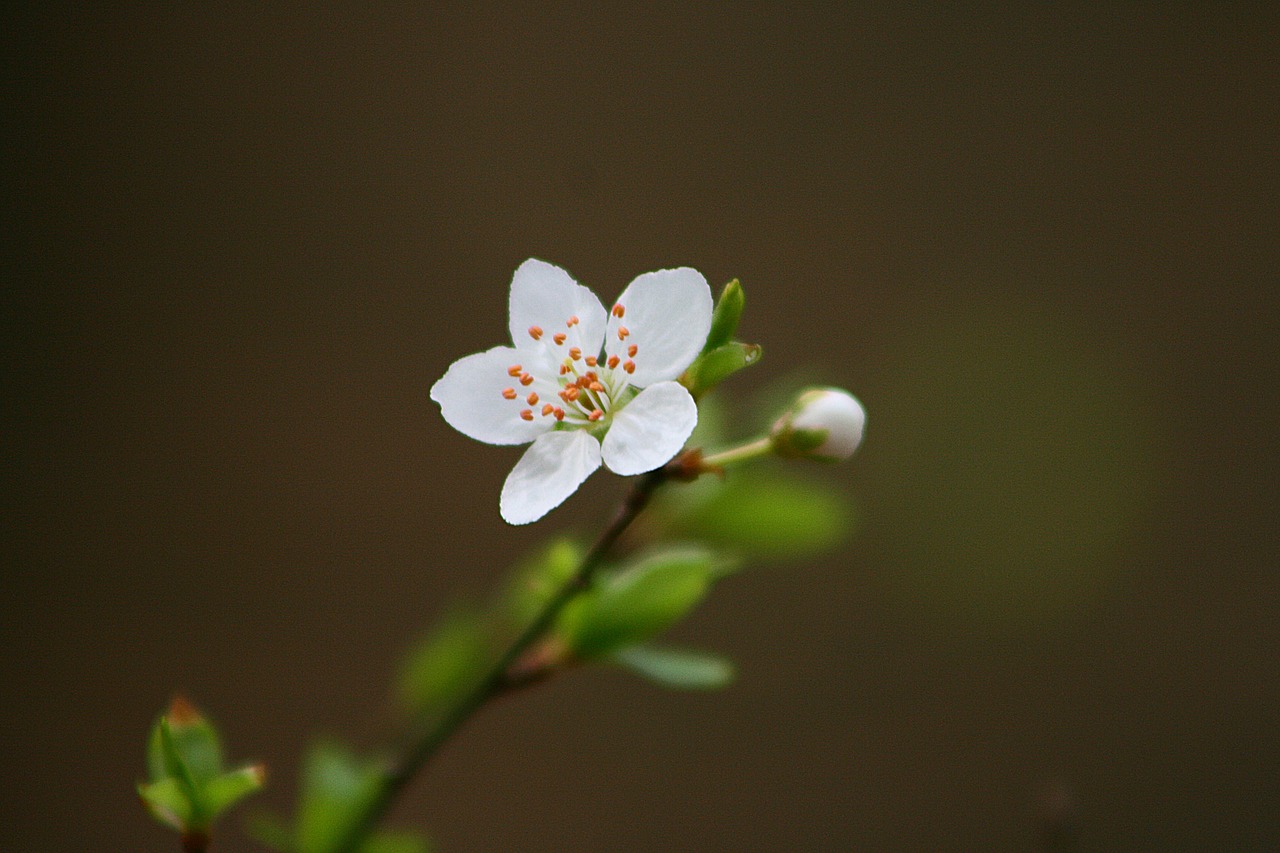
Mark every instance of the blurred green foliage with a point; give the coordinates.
(337, 785)
(189, 787)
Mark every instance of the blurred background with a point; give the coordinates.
(1039, 242)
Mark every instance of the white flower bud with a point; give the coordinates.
(823, 423)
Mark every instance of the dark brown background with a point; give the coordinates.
(1039, 242)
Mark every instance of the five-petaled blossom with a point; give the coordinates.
(582, 383)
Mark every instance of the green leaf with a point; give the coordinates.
(194, 739)
(445, 663)
(678, 668)
(712, 368)
(764, 514)
(638, 602)
(395, 842)
(167, 801)
(176, 769)
(725, 317)
(542, 576)
(335, 786)
(229, 788)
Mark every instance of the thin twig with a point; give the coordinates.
(422, 748)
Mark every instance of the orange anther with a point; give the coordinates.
(509, 393)
(595, 415)
(526, 379)
(559, 413)
(630, 367)
(618, 310)
(564, 368)
(547, 409)
(571, 393)
(514, 370)
(572, 321)
(596, 386)
(592, 361)
(532, 399)
(559, 338)
(535, 332)
(575, 353)
(613, 361)
(632, 350)
(526, 414)
(623, 332)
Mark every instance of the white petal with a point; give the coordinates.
(550, 471)
(470, 398)
(545, 296)
(651, 429)
(667, 315)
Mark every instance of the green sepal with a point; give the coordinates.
(725, 317)
(167, 802)
(799, 442)
(711, 368)
(632, 605)
(678, 668)
(229, 788)
(444, 663)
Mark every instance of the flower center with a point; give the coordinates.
(586, 389)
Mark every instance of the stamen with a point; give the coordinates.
(592, 361)
(572, 321)
(618, 311)
(571, 393)
(514, 370)
(559, 412)
(613, 361)
(595, 415)
(564, 368)
(623, 332)
(559, 338)
(526, 379)
(575, 353)
(532, 399)
(630, 367)
(632, 350)
(547, 409)
(509, 393)
(535, 332)
(595, 386)
(526, 414)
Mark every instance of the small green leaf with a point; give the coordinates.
(444, 663)
(638, 602)
(395, 842)
(167, 802)
(539, 578)
(194, 739)
(678, 668)
(335, 786)
(768, 514)
(712, 368)
(725, 317)
(176, 769)
(229, 788)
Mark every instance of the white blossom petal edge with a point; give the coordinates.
(582, 383)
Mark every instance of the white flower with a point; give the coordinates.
(823, 423)
(582, 383)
